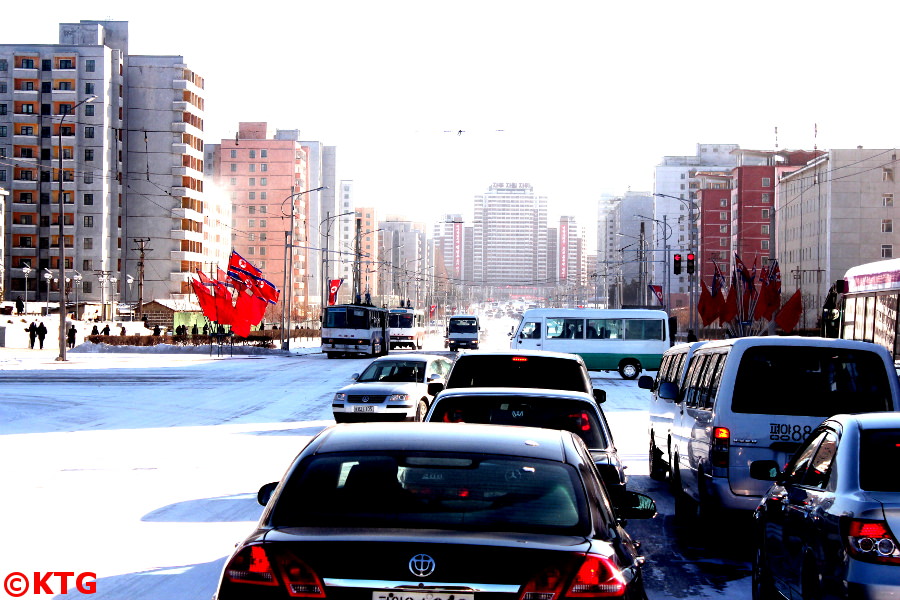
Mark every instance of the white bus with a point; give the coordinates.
(354, 329)
(407, 327)
(625, 340)
(866, 305)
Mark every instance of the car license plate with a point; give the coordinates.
(364, 409)
(431, 595)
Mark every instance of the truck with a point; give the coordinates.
(463, 331)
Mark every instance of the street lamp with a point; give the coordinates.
(112, 298)
(26, 271)
(62, 246)
(288, 267)
(667, 232)
(48, 276)
(128, 281)
(325, 279)
(77, 278)
(692, 287)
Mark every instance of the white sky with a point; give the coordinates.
(589, 95)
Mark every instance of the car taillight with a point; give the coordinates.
(582, 421)
(520, 359)
(721, 446)
(872, 541)
(597, 577)
(257, 566)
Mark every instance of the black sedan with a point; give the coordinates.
(828, 526)
(532, 407)
(434, 511)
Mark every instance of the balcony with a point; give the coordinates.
(185, 213)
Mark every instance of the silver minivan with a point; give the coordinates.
(758, 398)
(661, 411)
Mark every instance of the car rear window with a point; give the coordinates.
(549, 413)
(810, 381)
(518, 371)
(433, 491)
(879, 453)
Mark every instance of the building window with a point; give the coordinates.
(251, 181)
(28, 109)
(252, 168)
(765, 230)
(2, 109)
(252, 237)
(234, 167)
(262, 250)
(263, 236)
(251, 223)
(3, 131)
(887, 251)
(233, 181)
(88, 221)
(251, 209)
(764, 244)
(90, 65)
(765, 199)
(234, 154)
(88, 177)
(253, 154)
(264, 167)
(262, 195)
(4, 65)
(723, 202)
(262, 222)
(887, 226)
(89, 88)
(88, 132)
(251, 195)
(887, 200)
(263, 181)
(765, 213)
(723, 228)
(723, 216)
(767, 182)
(263, 209)
(723, 242)
(88, 199)
(264, 153)
(88, 243)
(887, 174)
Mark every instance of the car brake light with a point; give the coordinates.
(519, 359)
(582, 421)
(597, 577)
(257, 566)
(721, 446)
(872, 541)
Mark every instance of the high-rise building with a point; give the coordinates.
(510, 239)
(403, 262)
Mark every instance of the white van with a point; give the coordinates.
(757, 398)
(661, 411)
(625, 340)
(463, 331)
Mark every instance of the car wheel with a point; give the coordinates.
(762, 587)
(629, 369)
(421, 411)
(658, 467)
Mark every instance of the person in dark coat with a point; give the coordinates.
(32, 334)
(41, 334)
(20, 306)
(95, 331)
(105, 330)
(70, 336)
(156, 330)
(122, 331)
(194, 330)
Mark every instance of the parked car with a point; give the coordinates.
(524, 368)
(671, 372)
(434, 511)
(392, 388)
(577, 412)
(758, 398)
(828, 526)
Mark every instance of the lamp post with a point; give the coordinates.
(77, 279)
(62, 246)
(113, 282)
(48, 276)
(667, 232)
(288, 267)
(128, 281)
(102, 278)
(26, 271)
(325, 278)
(692, 287)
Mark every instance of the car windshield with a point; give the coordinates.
(576, 416)
(463, 325)
(402, 320)
(396, 371)
(517, 371)
(879, 453)
(816, 382)
(433, 491)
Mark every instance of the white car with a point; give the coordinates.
(391, 388)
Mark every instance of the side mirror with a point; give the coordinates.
(632, 505)
(435, 388)
(265, 493)
(668, 391)
(645, 382)
(599, 396)
(433, 377)
(765, 470)
(355, 376)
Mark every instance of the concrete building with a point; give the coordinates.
(510, 240)
(836, 212)
(630, 257)
(403, 262)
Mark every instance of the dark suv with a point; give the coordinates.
(522, 369)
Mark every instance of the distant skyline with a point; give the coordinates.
(579, 98)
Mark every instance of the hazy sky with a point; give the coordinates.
(578, 98)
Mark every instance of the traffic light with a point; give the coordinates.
(676, 264)
(690, 262)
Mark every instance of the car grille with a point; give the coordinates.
(366, 399)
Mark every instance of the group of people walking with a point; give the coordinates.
(36, 332)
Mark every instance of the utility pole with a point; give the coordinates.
(142, 248)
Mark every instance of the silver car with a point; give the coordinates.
(391, 388)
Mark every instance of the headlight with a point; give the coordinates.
(398, 398)
(339, 397)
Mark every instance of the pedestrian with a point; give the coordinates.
(20, 306)
(95, 331)
(105, 330)
(156, 330)
(32, 334)
(70, 336)
(122, 331)
(691, 336)
(41, 334)
(206, 329)
(194, 330)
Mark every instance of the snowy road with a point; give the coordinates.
(144, 469)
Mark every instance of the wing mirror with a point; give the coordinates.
(265, 493)
(645, 382)
(435, 388)
(765, 470)
(632, 505)
(599, 396)
(668, 391)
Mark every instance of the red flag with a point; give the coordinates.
(205, 299)
(789, 315)
(225, 314)
(333, 286)
(250, 307)
(238, 265)
(266, 290)
(706, 306)
(203, 277)
(773, 293)
(729, 309)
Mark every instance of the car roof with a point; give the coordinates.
(792, 340)
(410, 356)
(545, 353)
(518, 392)
(874, 420)
(547, 444)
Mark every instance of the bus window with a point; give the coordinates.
(643, 329)
(531, 330)
(606, 328)
(336, 317)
